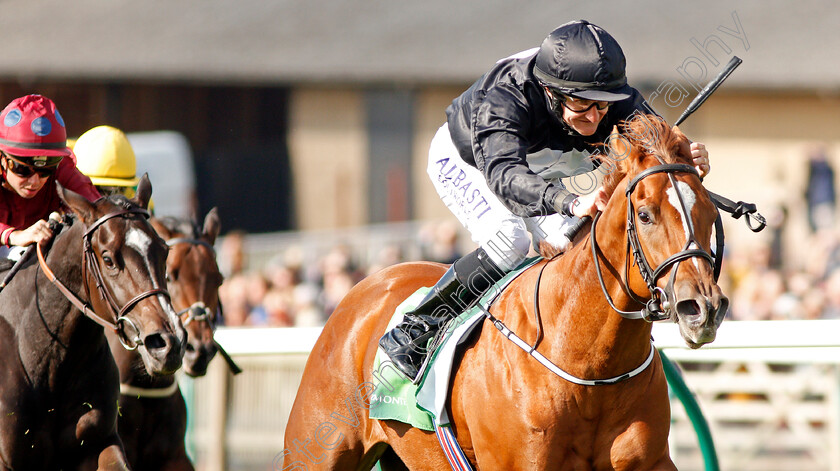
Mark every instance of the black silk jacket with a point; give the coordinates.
(504, 116)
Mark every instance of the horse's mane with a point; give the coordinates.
(648, 136)
(121, 201)
(640, 137)
(71, 219)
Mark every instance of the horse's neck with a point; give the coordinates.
(49, 323)
(577, 320)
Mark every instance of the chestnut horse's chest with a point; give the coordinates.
(512, 413)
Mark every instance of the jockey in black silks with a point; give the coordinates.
(497, 163)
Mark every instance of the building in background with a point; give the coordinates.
(309, 115)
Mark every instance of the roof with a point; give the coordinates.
(783, 44)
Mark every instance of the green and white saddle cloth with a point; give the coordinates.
(423, 406)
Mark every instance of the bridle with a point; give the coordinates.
(198, 311)
(659, 306)
(90, 267)
(653, 309)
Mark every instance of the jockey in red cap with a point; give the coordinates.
(33, 147)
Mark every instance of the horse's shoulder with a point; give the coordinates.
(8, 343)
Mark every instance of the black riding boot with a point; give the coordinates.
(465, 281)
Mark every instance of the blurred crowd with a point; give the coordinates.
(763, 279)
(800, 280)
(289, 291)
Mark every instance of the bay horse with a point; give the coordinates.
(153, 414)
(509, 411)
(58, 381)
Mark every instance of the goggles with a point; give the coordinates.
(25, 170)
(577, 105)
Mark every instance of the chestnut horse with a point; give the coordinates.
(153, 414)
(508, 410)
(58, 381)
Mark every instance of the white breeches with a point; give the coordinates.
(502, 234)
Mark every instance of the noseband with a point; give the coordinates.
(89, 265)
(198, 311)
(656, 308)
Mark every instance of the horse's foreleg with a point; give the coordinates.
(389, 461)
(664, 464)
(110, 458)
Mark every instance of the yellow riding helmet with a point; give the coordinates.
(105, 155)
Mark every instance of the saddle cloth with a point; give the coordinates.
(423, 405)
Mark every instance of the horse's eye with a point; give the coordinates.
(168, 277)
(108, 261)
(644, 217)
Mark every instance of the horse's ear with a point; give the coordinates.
(144, 192)
(77, 203)
(619, 146)
(683, 144)
(212, 225)
(160, 228)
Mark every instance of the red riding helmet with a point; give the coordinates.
(32, 126)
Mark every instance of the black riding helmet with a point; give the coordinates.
(582, 60)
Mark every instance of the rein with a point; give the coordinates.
(532, 349)
(89, 263)
(736, 210)
(653, 310)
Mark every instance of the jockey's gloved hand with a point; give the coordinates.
(564, 205)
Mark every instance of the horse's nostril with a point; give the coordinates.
(689, 309)
(190, 348)
(210, 350)
(154, 342)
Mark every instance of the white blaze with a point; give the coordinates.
(138, 240)
(689, 198)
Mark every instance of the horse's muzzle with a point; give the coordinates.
(700, 315)
(162, 353)
(198, 356)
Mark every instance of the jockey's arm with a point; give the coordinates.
(39, 232)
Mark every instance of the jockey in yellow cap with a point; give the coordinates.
(104, 154)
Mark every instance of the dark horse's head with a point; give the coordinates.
(672, 215)
(193, 278)
(125, 270)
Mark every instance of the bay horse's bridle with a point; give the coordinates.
(89, 265)
(656, 308)
(198, 311)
